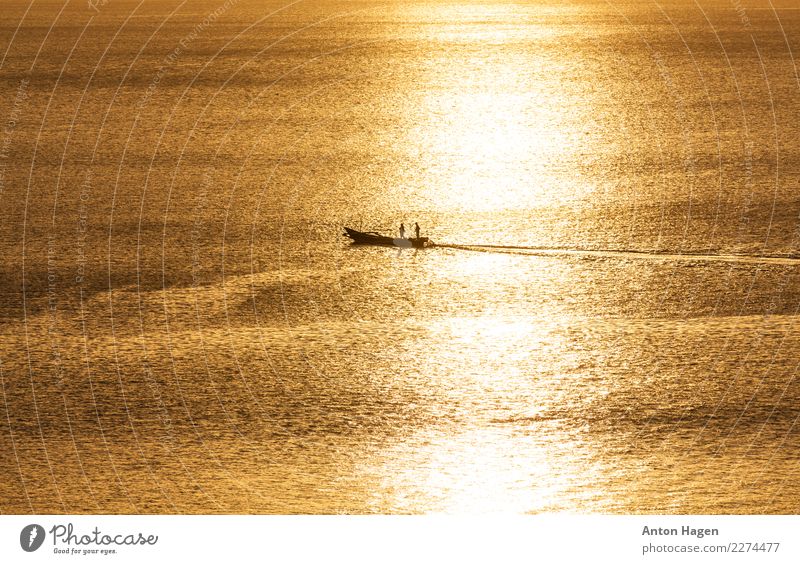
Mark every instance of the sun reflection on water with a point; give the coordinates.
(487, 471)
(489, 130)
(494, 447)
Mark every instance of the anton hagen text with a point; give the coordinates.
(685, 531)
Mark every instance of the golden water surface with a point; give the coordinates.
(608, 325)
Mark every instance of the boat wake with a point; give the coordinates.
(790, 260)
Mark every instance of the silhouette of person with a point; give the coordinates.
(402, 231)
(416, 229)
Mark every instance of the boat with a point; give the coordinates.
(373, 238)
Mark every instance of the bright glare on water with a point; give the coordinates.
(608, 323)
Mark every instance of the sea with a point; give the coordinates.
(608, 322)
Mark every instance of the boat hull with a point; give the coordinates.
(362, 238)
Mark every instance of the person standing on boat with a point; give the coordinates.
(402, 231)
(416, 230)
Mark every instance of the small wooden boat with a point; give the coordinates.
(372, 238)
